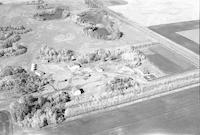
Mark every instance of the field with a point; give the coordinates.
(184, 33)
(168, 61)
(156, 12)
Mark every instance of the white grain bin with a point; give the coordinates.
(33, 67)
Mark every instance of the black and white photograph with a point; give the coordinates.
(99, 67)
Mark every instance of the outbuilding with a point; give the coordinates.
(77, 92)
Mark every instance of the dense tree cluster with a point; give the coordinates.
(98, 55)
(10, 70)
(102, 33)
(9, 42)
(93, 17)
(35, 2)
(20, 81)
(51, 55)
(13, 51)
(132, 55)
(44, 6)
(15, 29)
(4, 36)
(119, 84)
(40, 111)
(52, 14)
(28, 83)
(99, 24)
(94, 3)
(10, 35)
